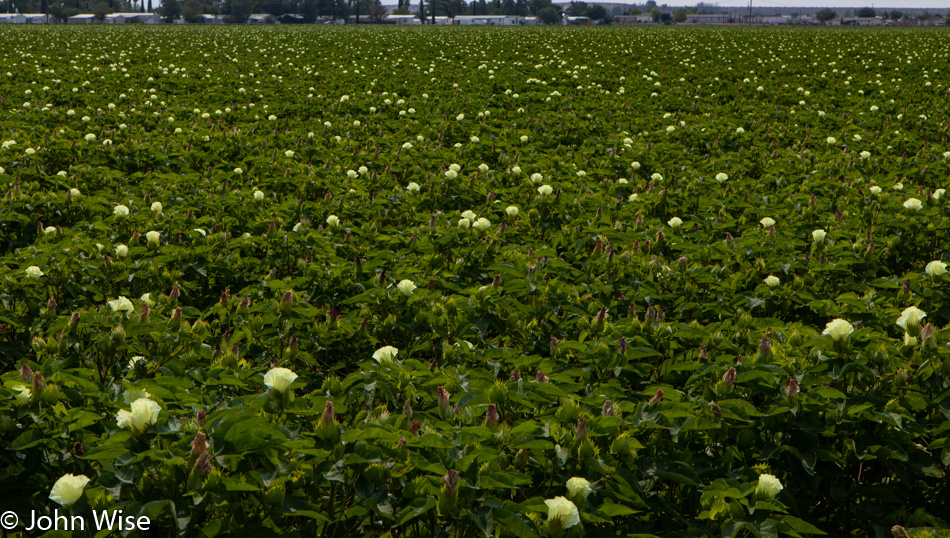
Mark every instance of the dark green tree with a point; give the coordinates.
(867, 12)
(537, 5)
(597, 12)
(576, 9)
(679, 15)
(549, 15)
(100, 10)
(171, 10)
(825, 15)
(192, 10)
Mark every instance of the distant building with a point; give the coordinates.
(630, 20)
(862, 21)
(84, 18)
(775, 19)
(405, 20)
(139, 18)
(12, 18)
(261, 18)
(489, 20)
(575, 21)
(36, 18)
(212, 19)
(706, 18)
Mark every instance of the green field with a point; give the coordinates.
(476, 282)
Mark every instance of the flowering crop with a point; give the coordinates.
(400, 281)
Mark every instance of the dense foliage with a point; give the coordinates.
(337, 281)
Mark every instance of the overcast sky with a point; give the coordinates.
(931, 4)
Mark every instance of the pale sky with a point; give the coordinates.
(940, 5)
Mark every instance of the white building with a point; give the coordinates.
(707, 18)
(85, 18)
(12, 18)
(134, 18)
(261, 18)
(490, 20)
(629, 20)
(862, 21)
(405, 20)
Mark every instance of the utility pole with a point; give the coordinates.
(750, 12)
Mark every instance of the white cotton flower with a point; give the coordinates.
(121, 251)
(545, 190)
(675, 222)
(122, 305)
(831, 140)
(913, 204)
(633, 197)
(910, 318)
(818, 235)
(578, 487)
(768, 486)
(936, 268)
(385, 354)
(258, 195)
(23, 395)
(875, 189)
(838, 329)
(516, 170)
(536, 178)
(464, 223)
(451, 174)
(279, 379)
(722, 176)
(482, 224)
(767, 222)
(157, 208)
(412, 187)
(34, 272)
(406, 287)
(333, 220)
(144, 413)
(635, 165)
(512, 211)
(68, 489)
(562, 514)
(656, 177)
(772, 281)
